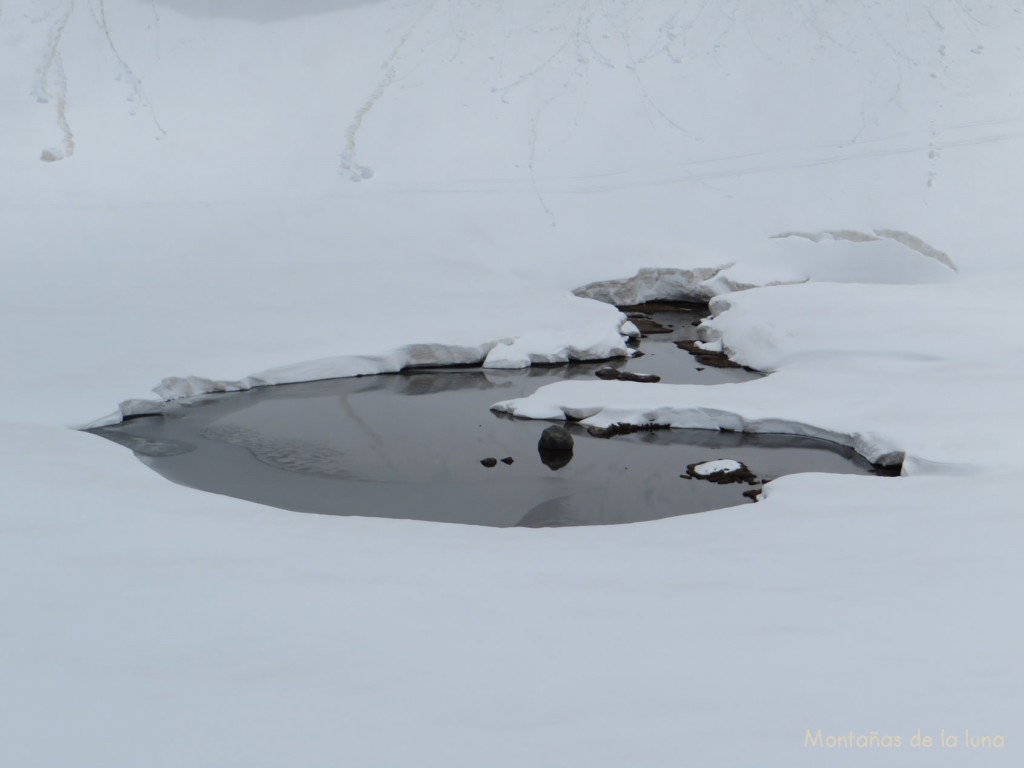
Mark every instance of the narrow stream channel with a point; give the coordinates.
(412, 445)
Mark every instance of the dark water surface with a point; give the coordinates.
(410, 445)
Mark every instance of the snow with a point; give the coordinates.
(208, 196)
(883, 369)
(714, 467)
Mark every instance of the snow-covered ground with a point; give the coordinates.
(211, 194)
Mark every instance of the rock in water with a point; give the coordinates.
(489, 462)
(608, 373)
(555, 439)
(721, 471)
(555, 447)
(642, 378)
(613, 374)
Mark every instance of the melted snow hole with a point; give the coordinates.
(424, 445)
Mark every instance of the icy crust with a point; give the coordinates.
(912, 242)
(681, 407)
(540, 347)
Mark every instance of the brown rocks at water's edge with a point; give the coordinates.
(624, 429)
(712, 359)
(722, 477)
(614, 374)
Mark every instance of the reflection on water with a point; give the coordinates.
(410, 445)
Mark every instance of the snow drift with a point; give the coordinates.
(211, 192)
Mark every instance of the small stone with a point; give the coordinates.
(608, 374)
(489, 462)
(507, 460)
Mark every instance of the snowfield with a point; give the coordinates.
(199, 196)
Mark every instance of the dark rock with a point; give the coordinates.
(889, 466)
(489, 462)
(614, 374)
(642, 378)
(555, 438)
(752, 494)
(624, 429)
(711, 359)
(664, 305)
(555, 447)
(507, 460)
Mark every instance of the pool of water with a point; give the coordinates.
(411, 445)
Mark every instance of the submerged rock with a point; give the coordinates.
(614, 374)
(489, 462)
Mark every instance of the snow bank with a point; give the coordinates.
(889, 371)
(216, 195)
